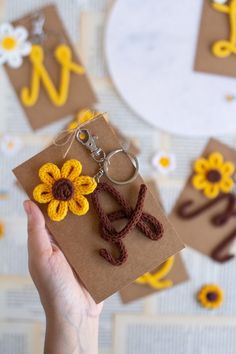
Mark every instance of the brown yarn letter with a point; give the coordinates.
(146, 223)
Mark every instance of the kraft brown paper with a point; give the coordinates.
(79, 237)
(178, 273)
(198, 232)
(81, 94)
(214, 26)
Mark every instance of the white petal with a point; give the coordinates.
(4, 145)
(20, 33)
(25, 48)
(14, 60)
(6, 29)
(3, 58)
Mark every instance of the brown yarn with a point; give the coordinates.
(218, 219)
(63, 189)
(146, 223)
(216, 254)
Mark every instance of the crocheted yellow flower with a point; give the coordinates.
(64, 189)
(213, 175)
(211, 296)
(81, 117)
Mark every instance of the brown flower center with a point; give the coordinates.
(211, 296)
(63, 189)
(213, 176)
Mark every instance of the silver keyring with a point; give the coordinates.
(107, 163)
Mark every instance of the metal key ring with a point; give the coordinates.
(107, 163)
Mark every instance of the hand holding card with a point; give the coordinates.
(80, 237)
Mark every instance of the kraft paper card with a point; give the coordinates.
(176, 275)
(80, 236)
(79, 94)
(216, 46)
(171, 274)
(204, 215)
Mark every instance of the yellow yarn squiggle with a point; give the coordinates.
(224, 48)
(64, 189)
(156, 280)
(29, 96)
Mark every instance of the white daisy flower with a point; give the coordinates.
(13, 45)
(164, 162)
(10, 145)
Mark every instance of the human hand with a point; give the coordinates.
(66, 302)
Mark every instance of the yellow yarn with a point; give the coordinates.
(203, 167)
(64, 189)
(156, 280)
(82, 116)
(39, 74)
(224, 48)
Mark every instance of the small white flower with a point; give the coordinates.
(164, 162)
(13, 45)
(10, 145)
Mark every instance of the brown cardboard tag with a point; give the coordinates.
(177, 274)
(201, 231)
(79, 237)
(81, 94)
(214, 26)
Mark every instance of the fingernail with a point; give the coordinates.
(27, 208)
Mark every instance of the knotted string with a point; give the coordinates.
(145, 222)
(68, 136)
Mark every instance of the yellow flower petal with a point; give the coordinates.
(226, 184)
(49, 173)
(72, 125)
(212, 190)
(43, 193)
(78, 205)
(216, 160)
(199, 181)
(57, 210)
(201, 165)
(84, 115)
(85, 185)
(71, 169)
(227, 169)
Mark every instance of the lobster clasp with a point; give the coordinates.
(88, 140)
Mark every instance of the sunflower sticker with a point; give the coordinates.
(211, 296)
(13, 45)
(213, 175)
(64, 189)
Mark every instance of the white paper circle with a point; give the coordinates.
(150, 50)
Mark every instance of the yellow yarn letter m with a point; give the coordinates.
(29, 96)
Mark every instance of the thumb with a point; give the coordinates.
(38, 237)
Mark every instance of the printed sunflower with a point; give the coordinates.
(213, 175)
(211, 296)
(64, 189)
(2, 230)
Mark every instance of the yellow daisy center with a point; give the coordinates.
(164, 161)
(10, 145)
(9, 43)
(63, 189)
